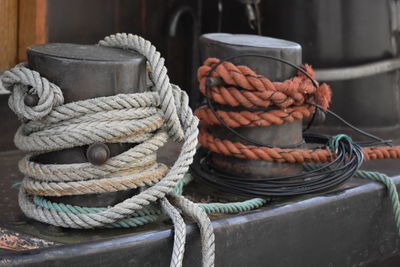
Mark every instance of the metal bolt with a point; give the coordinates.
(31, 100)
(98, 153)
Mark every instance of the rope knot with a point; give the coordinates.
(21, 81)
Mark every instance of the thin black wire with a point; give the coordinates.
(348, 124)
(318, 107)
(348, 159)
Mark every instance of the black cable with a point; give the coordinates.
(348, 159)
(315, 83)
(348, 124)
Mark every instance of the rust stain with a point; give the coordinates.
(15, 241)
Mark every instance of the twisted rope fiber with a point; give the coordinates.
(206, 230)
(339, 153)
(391, 188)
(52, 126)
(252, 119)
(151, 212)
(241, 90)
(240, 150)
(179, 235)
(292, 97)
(246, 88)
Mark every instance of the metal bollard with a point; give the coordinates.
(84, 72)
(223, 45)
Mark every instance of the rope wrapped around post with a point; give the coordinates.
(243, 98)
(281, 102)
(148, 118)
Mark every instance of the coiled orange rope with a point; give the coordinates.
(293, 99)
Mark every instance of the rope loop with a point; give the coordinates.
(21, 81)
(158, 76)
(143, 119)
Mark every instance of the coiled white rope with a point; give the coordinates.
(146, 118)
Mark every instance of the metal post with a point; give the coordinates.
(222, 45)
(85, 72)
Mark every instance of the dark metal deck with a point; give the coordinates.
(351, 226)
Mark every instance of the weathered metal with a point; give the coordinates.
(31, 100)
(10, 240)
(85, 72)
(222, 45)
(98, 153)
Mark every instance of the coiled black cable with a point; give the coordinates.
(347, 160)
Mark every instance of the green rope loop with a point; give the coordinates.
(334, 141)
(153, 213)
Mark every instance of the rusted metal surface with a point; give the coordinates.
(11, 240)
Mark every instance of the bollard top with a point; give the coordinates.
(224, 45)
(89, 71)
(84, 52)
(251, 41)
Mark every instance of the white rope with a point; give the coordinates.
(135, 118)
(179, 235)
(206, 230)
(21, 80)
(158, 76)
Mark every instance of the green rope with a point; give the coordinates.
(391, 188)
(233, 207)
(140, 217)
(153, 213)
(377, 177)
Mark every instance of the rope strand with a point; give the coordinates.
(130, 118)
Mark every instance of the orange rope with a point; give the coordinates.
(258, 90)
(243, 87)
(276, 154)
(239, 150)
(251, 119)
